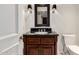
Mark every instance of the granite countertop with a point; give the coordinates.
(28, 33)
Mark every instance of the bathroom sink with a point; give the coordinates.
(41, 33)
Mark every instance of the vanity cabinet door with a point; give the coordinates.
(40, 50)
(47, 50)
(32, 49)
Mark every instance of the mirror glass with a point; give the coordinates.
(42, 15)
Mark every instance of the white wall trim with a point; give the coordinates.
(9, 48)
(8, 36)
(8, 40)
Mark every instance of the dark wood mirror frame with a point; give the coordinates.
(48, 15)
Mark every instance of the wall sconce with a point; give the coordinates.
(54, 7)
(29, 8)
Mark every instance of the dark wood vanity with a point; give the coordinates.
(40, 44)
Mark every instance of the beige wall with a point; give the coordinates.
(77, 24)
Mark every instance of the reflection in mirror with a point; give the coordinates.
(42, 15)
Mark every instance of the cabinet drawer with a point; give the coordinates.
(33, 40)
(47, 40)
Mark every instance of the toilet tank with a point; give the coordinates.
(69, 39)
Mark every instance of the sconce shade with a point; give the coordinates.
(29, 6)
(54, 6)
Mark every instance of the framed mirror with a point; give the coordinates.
(42, 15)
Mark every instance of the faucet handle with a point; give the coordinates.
(41, 30)
(44, 30)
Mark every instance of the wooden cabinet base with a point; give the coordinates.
(40, 45)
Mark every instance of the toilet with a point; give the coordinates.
(69, 46)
